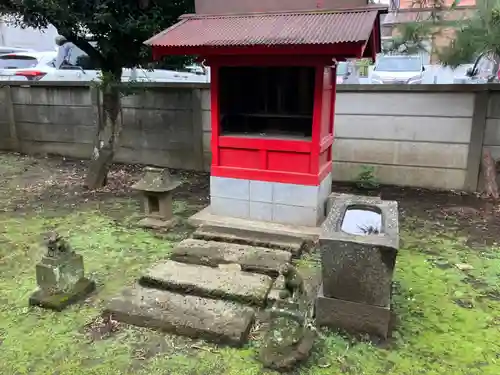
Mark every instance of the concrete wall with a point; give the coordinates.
(492, 132)
(423, 135)
(412, 138)
(160, 126)
(205, 127)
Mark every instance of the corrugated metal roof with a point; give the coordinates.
(304, 28)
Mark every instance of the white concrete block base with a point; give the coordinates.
(270, 201)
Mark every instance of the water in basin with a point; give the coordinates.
(362, 221)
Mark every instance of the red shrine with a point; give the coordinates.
(272, 66)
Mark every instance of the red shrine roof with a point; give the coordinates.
(270, 29)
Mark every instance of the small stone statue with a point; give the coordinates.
(57, 245)
(289, 337)
(294, 284)
(60, 276)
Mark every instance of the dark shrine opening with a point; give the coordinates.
(274, 102)
(153, 204)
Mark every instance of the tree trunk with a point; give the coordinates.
(490, 175)
(108, 134)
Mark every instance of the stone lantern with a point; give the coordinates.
(157, 187)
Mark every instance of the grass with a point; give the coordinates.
(448, 319)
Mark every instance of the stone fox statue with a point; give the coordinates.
(56, 245)
(294, 284)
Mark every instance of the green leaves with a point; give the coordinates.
(477, 34)
(118, 26)
(412, 38)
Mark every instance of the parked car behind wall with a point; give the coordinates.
(398, 69)
(485, 70)
(26, 66)
(73, 64)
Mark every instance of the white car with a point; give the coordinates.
(484, 70)
(26, 66)
(72, 64)
(398, 69)
(4, 50)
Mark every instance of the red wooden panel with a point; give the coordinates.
(325, 169)
(326, 102)
(316, 130)
(215, 116)
(265, 144)
(312, 179)
(304, 162)
(324, 158)
(269, 176)
(332, 105)
(326, 143)
(288, 162)
(231, 157)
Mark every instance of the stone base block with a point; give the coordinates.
(353, 317)
(270, 201)
(214, 320)
(59, 301)
(59, 273)
(202, 281)
(152, 223)
(294, 244)
(205, 217)
(212, 254)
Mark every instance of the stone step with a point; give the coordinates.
(203, 281)
(287, 242)
(250, 258)
(216, 321)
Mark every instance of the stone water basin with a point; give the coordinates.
(359, 242)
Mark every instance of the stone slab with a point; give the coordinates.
(352, 316)
(206, 217)
(202, 281)
(213, 320)
(61, 300)
(250, 258)
(290, 243)
(153, 223)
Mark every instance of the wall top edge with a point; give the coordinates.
(176, 85)
(458, 88)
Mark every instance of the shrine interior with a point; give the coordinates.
(267, 101)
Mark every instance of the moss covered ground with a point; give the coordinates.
(448, 315)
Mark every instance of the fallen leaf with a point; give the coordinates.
(464, 266)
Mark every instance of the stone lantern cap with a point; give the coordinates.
(156, 180)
